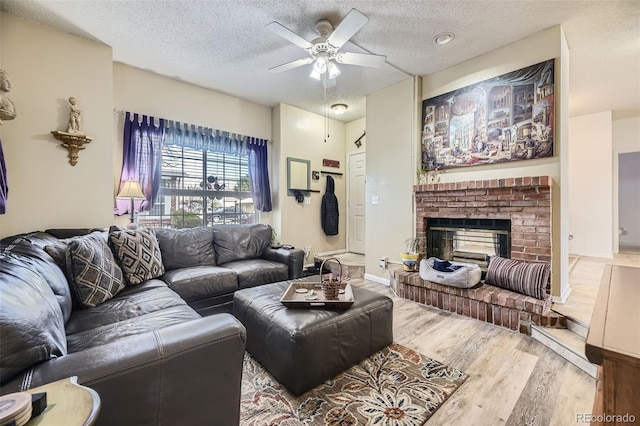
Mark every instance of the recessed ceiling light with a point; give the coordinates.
(444, 38)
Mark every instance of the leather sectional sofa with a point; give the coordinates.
(148, 351)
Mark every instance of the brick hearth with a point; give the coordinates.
(483, 302)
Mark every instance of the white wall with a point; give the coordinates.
(391, 167)
(300, 134)
(46, 67)
(626, 139)
(353, 131)
(148, 93)
(590, 185)
(539, 47)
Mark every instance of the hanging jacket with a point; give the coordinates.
(329, 209)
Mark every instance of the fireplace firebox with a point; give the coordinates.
(468, 240)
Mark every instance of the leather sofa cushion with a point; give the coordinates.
(138, 309)
(200, 282)
(138, 254)
(31, 247)
(95, 276)
(31, 321)
(239, 242)
(258, 271)
(182, 248)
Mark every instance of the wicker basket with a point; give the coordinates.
(331, 288)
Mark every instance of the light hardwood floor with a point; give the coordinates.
(585, 278)
(513, 380)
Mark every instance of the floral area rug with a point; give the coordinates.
(396, 386)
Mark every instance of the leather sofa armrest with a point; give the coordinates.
(293, 258)
(189, 373)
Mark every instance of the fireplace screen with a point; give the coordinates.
(468, 240)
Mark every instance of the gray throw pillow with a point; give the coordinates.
(138, 254)
(95, 276)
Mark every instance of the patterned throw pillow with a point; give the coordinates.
(522, 277)
(95, 276)
(138, 254)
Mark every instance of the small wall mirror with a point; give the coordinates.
(298, 175)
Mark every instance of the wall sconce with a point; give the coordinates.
(73, 139)
(73, 143)
(132, 190)
(339, 109)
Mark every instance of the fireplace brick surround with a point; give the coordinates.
(526, 201)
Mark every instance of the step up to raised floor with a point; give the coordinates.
(567, 344)
(352, 264)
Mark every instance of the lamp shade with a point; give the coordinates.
(131, 189)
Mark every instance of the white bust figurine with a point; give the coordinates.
(74, 125)
(7, 109)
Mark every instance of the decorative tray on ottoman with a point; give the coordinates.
(311, 295)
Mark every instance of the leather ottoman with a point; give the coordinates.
(302, 348)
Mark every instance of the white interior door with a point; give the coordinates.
(356, 206)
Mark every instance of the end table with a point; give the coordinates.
(68, 403)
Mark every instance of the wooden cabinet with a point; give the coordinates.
(613, 343)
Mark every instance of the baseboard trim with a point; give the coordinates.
(330, 253)
(377, 279)
(562, 299)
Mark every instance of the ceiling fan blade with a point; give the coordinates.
(362, 59)
(287, 34)
(291, 65)
(350, 25)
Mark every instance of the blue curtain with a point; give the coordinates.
(141, 160)
(259, 174)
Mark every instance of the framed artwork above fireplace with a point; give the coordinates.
(505, 118)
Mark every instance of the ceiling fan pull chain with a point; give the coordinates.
(326, 111)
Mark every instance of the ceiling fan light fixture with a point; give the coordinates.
(315, 75)
(333, 69)
(339, 109)
(320, 66)
(444, 38)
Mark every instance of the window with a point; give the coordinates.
(201, 187)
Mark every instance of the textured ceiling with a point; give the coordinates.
(224, 45)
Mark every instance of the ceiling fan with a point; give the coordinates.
(324, 50)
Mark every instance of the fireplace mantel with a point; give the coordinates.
(524, 182)
(526, 201)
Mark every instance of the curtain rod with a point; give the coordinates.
(122, 111)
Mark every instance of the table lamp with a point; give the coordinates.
(131, 189)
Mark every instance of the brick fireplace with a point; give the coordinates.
(526, 203)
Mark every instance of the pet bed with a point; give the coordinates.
(454, 274)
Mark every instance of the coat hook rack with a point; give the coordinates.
(331, 173)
